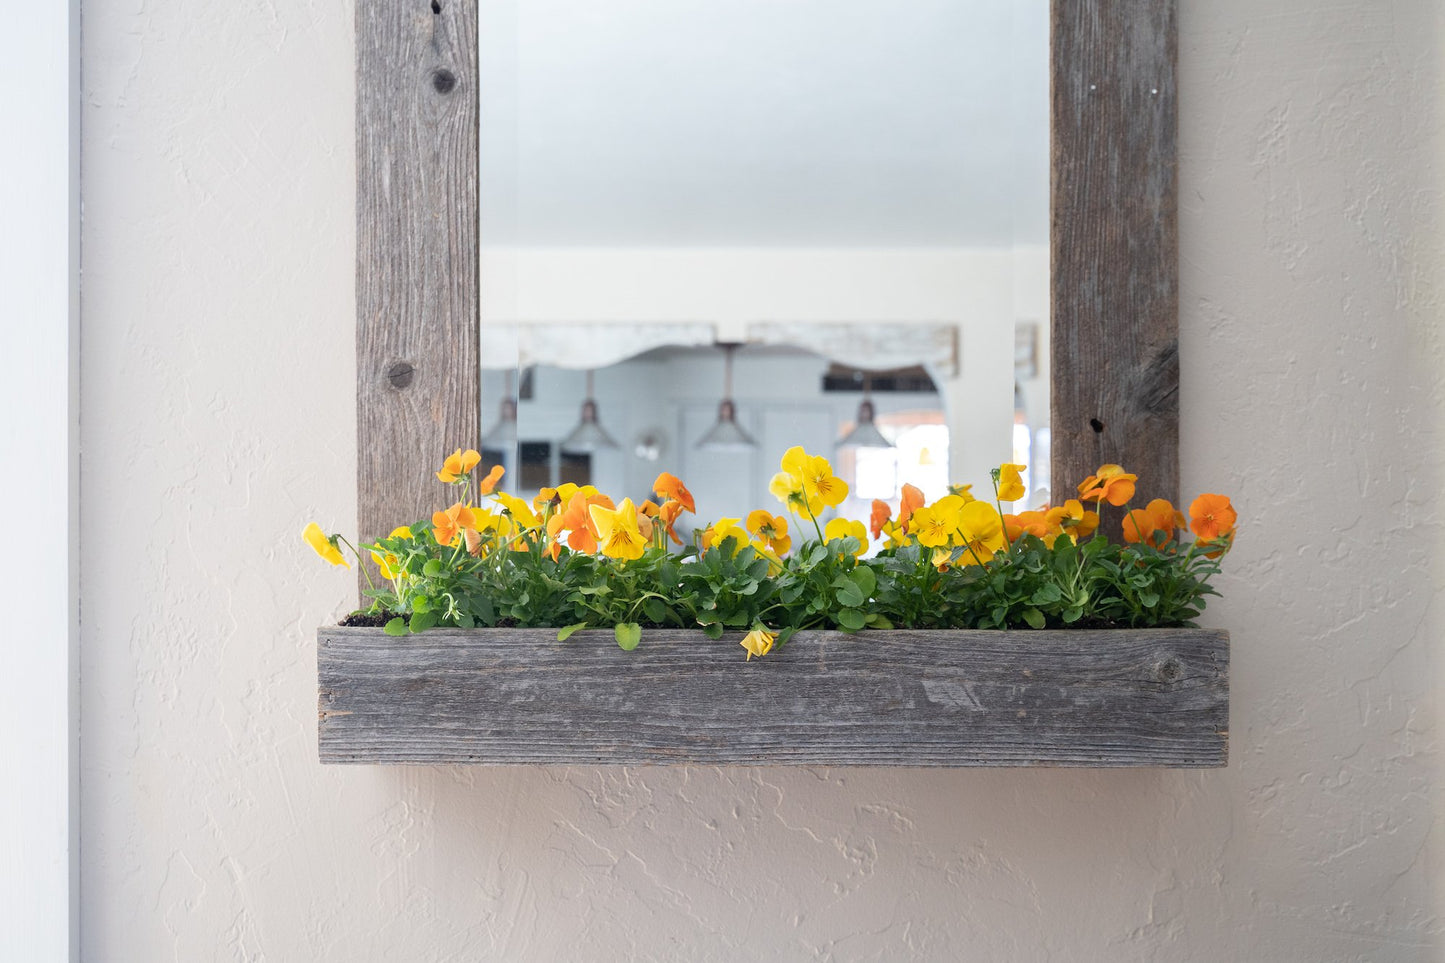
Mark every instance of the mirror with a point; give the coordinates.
(853, 193)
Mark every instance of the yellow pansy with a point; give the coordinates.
(981, 529)
(936, 525)
(722, 529)
(789, 490)
(388, 562)
(758, 642)
(843, 528)
(770, 530)
(1010, 484)
(817, 476)
(618, 535)
(458, 464)
(325, 545)
(520, 512)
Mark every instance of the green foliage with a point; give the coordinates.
(732, 587)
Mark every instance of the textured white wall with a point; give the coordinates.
(218, 418)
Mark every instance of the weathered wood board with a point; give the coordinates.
(417, 390)
(1114, 251)
(1157, 697)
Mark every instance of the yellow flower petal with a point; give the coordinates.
(618, 535)
(758, 642)
(324, 545)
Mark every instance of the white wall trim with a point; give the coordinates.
(39, 335)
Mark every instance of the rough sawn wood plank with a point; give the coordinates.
(417, 389)
(1114, 243)
(898, 698)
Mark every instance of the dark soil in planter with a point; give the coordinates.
(367, 620)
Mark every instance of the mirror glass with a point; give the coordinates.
(813, 210)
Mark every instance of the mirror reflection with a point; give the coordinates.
(670, 409)
(845, 201)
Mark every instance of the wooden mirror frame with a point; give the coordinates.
(1114, 363)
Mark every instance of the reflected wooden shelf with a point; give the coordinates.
(1147, 697)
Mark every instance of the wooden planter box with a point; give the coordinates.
(1149, 697)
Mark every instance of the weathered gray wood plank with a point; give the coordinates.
(416, 251)
(1115, 354)
(937, 698)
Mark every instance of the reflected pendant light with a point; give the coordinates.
(504, 433)
(727, 434)
(588, 436)
(865, 434)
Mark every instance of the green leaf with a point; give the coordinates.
(396, 626)
(1148, 599)
(564, 633)
(1072, 614)
(433, 568)
(1034, 618)
(656, 611)
(850, 595)
(421, 621)
(713, 630)
(864, 578)
(851, 620)
(628, 635)
(1047, 594)
(876, 621)
(420, 603)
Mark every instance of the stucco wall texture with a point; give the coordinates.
(218, 418)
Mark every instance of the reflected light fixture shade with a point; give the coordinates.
(727, 434)
(589, 435)
(865, 433)
(504, 433)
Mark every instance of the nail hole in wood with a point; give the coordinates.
(436, 7)
(1097, 425)
(400, 374)
(443, 80)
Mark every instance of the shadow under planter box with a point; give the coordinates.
(1139, 697)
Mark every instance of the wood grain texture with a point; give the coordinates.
(1114, 238)
(416, 251)
(935, 698)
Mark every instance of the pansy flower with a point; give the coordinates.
(758, 642)
(669, 486)
(324, 545)
(459, 464)
(840, 528)
(769, 530)
(1110, 483)
(618, 533)
(1010, 483)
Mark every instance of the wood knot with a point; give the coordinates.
(400, 374)
(443, 80)
(1169, 671)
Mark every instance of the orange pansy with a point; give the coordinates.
(882, 514)
(446, 524)
(487, 485)
(770, 531)
(1110, 483)
(1212, 517)
(669, 486)
(457, 464)
(911, 502)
